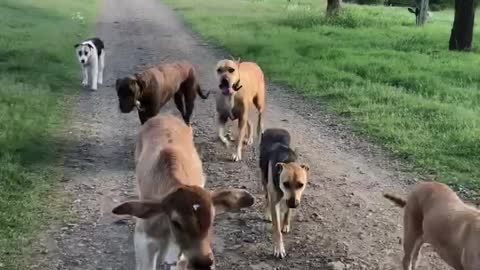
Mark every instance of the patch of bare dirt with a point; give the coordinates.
(343, 221)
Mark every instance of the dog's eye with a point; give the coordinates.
(80, 53)
(177, 225)
(300, 185)
(219, 70)
(286, 184)
(231, 70)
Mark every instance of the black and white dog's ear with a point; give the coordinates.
(411, 10)
(90, 45)
(76, 45)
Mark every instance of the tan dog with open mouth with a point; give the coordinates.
(283, 180)
(174, 212)
(434, 214)
(155, 86)
(242, 85)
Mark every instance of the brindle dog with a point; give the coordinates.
(155, 86)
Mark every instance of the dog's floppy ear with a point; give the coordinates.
(117, 83)
(227, 200)
(140, 209)
(305, 167)
(411, 10)
(279, 167)
(76, 45)
(141, 83)
(90, 45)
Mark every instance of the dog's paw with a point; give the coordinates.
(224, 141)
(236, 157)
(84, 83)
(268, 216)
(229, 136)
(100, 81)
(249, 141)
(94, 88)
(286, 228)
(279, 251)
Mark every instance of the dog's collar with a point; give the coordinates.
(236, 86)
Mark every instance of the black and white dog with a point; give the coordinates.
(91, 55)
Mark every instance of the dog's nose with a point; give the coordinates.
(293, 203)
(203, 263)
(83, 61)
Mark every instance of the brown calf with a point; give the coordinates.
(175, 213)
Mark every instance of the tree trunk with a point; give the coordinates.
(332, 7)
(423, 12)
(462, 30)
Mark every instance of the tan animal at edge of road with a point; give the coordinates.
(434, 214)
(174, 212)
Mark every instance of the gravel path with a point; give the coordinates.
(343, 217)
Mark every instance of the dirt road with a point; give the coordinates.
(343, 217)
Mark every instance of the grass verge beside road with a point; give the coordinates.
(397, 83)
(38, 74)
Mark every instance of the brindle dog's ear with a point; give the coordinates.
(141, 83)
(117, 83)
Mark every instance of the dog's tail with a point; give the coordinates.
(201, 93)
(397, 200)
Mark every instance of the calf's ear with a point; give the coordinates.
(229, 200)
(140, 209)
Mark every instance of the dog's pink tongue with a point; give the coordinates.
(227, 91)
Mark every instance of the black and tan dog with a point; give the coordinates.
(155, 86)
(283, 179)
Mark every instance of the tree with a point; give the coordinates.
(332, 7)
(422, 16)
(462, 30)
(420, 11)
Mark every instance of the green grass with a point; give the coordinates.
(397, 83)
(38, 74)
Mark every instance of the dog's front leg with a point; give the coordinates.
(249, 140)
(221, 133)
(268, 214)
(101, 66)
(278, 249)
(242, 128)
(286, 220)
(84, 76)
(94, 70)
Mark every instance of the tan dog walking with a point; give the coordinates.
(284, 180)
(174, 212)
(242, 86)
(434, 214)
